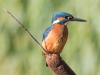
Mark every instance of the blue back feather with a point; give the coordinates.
(46, 32)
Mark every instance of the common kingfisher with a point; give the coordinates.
(55, 37)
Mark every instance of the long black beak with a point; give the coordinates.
(78, 19)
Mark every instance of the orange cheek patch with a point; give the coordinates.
(60, 18)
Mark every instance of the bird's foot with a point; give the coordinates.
(49, 57)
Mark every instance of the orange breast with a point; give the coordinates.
(56, 39)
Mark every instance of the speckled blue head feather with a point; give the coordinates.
(59, 14)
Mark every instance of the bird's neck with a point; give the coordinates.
(60, 30)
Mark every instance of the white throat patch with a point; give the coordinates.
(66, 23)
(56, 21)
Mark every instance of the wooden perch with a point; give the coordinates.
(58, 66)
(54, 61)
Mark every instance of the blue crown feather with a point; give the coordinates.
(59, 14)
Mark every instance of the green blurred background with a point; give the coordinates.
(20, 55)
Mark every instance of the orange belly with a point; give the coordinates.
(56, 39)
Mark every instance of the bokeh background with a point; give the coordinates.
(20, 54)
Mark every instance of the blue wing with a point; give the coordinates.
(46, 32)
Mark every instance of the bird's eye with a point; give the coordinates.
(66, 17)
(69, 17)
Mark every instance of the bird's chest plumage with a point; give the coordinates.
(56, 39)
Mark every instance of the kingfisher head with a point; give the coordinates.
(64, 18)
